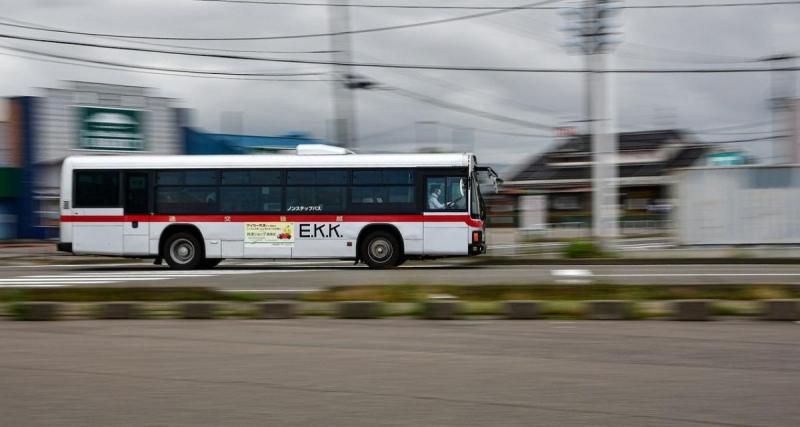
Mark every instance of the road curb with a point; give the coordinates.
(609, 309)
(276, 309)
(694, 310)
(434, 309)
(359, 309)
(37, 310)
(781, 309)
(118, 310)
(440, 309)
(198, 310)
(522, 309)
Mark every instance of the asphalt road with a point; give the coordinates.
(399, 372)
(305, 275)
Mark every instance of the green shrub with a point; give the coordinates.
(583, 249)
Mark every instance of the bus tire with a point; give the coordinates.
(183, 251)
(380, 250)
(210, 262)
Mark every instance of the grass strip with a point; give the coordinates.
(560, 292)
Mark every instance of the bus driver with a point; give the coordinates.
(433, 199)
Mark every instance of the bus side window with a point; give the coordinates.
(96, 189)
(446, 193)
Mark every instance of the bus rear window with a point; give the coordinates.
(96, 189)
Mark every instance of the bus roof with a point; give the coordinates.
(267, 161)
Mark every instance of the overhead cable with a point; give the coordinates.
(467, 7)
(410, 66)
(295, 36)
(161, 69)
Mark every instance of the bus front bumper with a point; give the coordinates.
(477, 249)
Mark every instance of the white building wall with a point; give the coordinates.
(57, 122)
(739, 205)
(795, 130)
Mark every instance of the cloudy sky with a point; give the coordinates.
(653, 39)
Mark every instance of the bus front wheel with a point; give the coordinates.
(381, 250)
(183, 251)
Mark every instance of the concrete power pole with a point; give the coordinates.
(782, 84)
(344, 103)
(590, 24)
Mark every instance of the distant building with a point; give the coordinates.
(83, 118)
(94, 119)
(738, 205)
(646, 160)
(198, 142)
(794, 130)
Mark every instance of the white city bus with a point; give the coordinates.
(323, 202)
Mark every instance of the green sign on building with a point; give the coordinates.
(110, 129)
(727, 158)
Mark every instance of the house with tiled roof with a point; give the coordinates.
(645, 162)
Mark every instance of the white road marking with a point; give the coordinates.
(422, 266)
(116, 278)
(290, 263)
(571, 273)
(127, 276)
(51, 284)
(126, 264)
(59, 279)
(572, 276)
(72, 277)
(697, 274)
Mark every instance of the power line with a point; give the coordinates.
(646, 50)
(466, 7)
(156, 70)
(466, 110)
(410, 66)
(296, 36)
(34, 26)
(767, 138)
(374, 6)
(712, 5)
(733, 127)
(384, 133)
(498, 132)
(450, 85)
(733, 133)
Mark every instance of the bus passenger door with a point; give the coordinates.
(136, 227)
(445, 231)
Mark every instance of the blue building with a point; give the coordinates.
(197, 142)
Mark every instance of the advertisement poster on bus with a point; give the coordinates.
(269, 233)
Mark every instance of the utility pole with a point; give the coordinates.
(590, 26)
(344, 103)
(782, 88)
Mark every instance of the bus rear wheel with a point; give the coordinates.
(182, 251)
(381, 250)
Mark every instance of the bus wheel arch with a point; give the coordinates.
(191, 236)
(387, 234)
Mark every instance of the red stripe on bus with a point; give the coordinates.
(272, 218)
